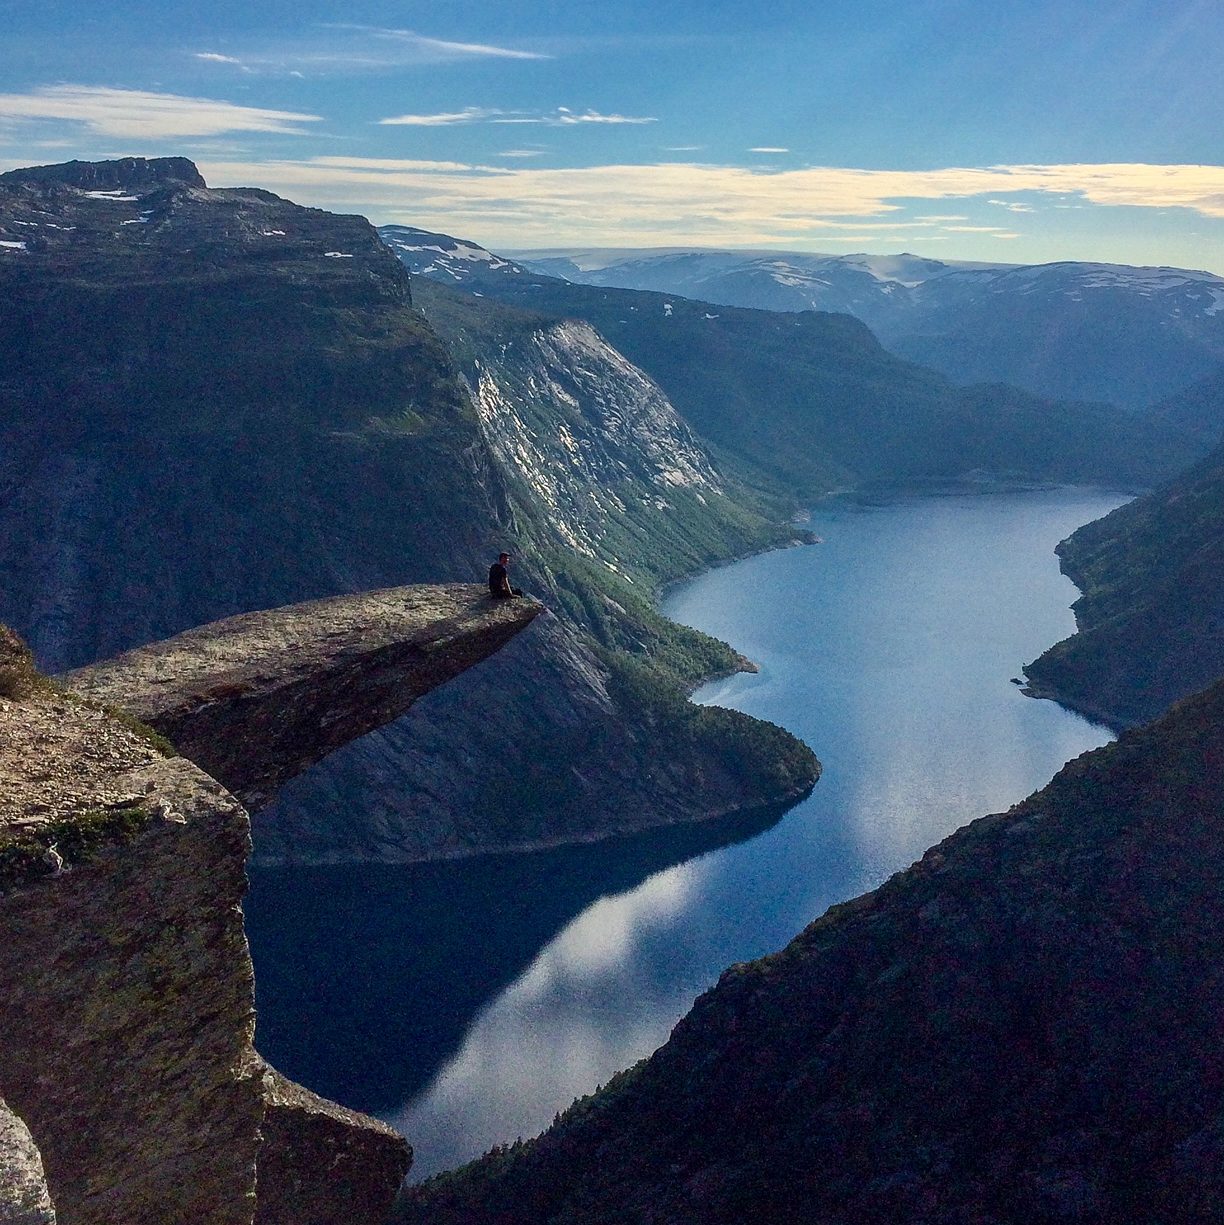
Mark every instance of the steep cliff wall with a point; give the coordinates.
(128, 1010)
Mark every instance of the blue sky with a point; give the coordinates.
(1026, 132)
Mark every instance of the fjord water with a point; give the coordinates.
(467, 1002)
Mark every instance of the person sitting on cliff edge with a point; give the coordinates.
(499, 579)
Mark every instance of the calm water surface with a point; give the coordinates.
(466, 1003)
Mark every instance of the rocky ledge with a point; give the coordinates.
(256, 699)
(130, 1089)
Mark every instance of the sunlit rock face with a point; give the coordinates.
(1025, 1025)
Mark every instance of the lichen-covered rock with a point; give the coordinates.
(24, 1198)
(320, 1164)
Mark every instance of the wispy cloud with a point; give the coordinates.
(1012, 206)
(521, 153)
(680, 202)
(350, 48)
(443, 48)
(469, 114)
(768, 149)
(141, 114)
(561, 117)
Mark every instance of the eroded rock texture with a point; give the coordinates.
(24, 1198)
(320, 1164)
(128, 1008)
(257, 698)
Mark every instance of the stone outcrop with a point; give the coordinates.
(256, 699)
(24, 1198)
(127, 1059)
(552, 755)
(320, 1164)
(128, 1010)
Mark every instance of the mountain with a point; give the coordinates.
(217, 400)
(1023, 1026)
(1197, 409)
(806, 402)
(1078, 331)
(1151, 619)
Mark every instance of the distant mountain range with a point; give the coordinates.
(1080, 331)
(811, 401)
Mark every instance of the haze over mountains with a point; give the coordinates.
(1080, 331)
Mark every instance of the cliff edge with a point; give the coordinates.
(131, 1090)
(256, 699)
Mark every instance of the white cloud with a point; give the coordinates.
(214, 57)
(140, 114)
(520, 153)
(683, 202)
(562, 117)
(442, 48)
(349, 48)
(1012, 206)
(768, 149)
(469, 114)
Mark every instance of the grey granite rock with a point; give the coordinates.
(24, 1198)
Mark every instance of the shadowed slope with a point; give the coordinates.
(1024, 1026)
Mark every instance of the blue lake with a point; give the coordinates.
(467, 1002)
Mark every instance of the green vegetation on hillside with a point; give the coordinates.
(1151, 619)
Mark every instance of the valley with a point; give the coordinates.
(497, 901)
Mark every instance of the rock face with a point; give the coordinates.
(1024, 1026)
(320, 1164)
(256, 699)
(128, 1010)
(128, 1007)
(24, 1198)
